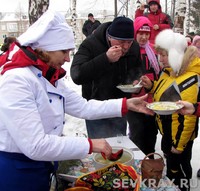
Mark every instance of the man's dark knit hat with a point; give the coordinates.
(90, 15)
(121, 29)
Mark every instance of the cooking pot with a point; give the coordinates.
(127, 158)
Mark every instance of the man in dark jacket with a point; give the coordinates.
(90, 25)
(107, 58)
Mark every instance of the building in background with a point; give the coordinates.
(12, 24)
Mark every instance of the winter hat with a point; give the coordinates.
(154, 1)
(145, 28)
(151, 2)
(195, 39)
(142, 24)
(90, 15)
(50, 33)
(175, 44)
(121, 29)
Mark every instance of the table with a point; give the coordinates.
(138, 156)
(127, 143)
(73, 170)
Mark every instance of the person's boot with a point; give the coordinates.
(198, 173)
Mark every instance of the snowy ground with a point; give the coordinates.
(74, 125)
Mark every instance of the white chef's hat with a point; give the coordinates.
(175, 44)
(50, 33)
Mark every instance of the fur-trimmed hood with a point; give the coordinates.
(175, 44)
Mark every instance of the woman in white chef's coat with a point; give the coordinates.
(33, 102)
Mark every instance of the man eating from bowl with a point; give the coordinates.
(108, 58)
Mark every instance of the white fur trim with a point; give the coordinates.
(175, 44)
(175, 59)
(165, 39)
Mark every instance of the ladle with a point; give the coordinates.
(114, 156)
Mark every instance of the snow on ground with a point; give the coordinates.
(73, 125)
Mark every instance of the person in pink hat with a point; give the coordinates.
(142, 128)
(159, 20)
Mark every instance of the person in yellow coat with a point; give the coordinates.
(178, 81)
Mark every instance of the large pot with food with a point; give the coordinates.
(127, 158)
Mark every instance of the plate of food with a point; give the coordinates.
(164, 107)
(130, 88)
(70, 170)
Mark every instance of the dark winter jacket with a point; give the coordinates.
(89, 27)
(98, 77)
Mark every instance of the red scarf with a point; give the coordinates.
(19, 58)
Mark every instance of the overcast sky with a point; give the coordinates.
(63, 5)
(58, 5)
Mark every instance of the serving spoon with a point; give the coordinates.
(114, 156)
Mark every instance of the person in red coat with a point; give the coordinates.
(159, 20)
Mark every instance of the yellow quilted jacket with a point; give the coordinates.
(179, 129)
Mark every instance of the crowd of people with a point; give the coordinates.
(34, 98)
(167, 60)
(33, 101)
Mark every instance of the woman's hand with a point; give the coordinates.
(139, 105)
(188, 108)
(101, 145)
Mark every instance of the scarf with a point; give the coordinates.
(152, 58)
(19, 57)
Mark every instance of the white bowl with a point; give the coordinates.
(127, 158)
(164, 107)
(129, 88)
